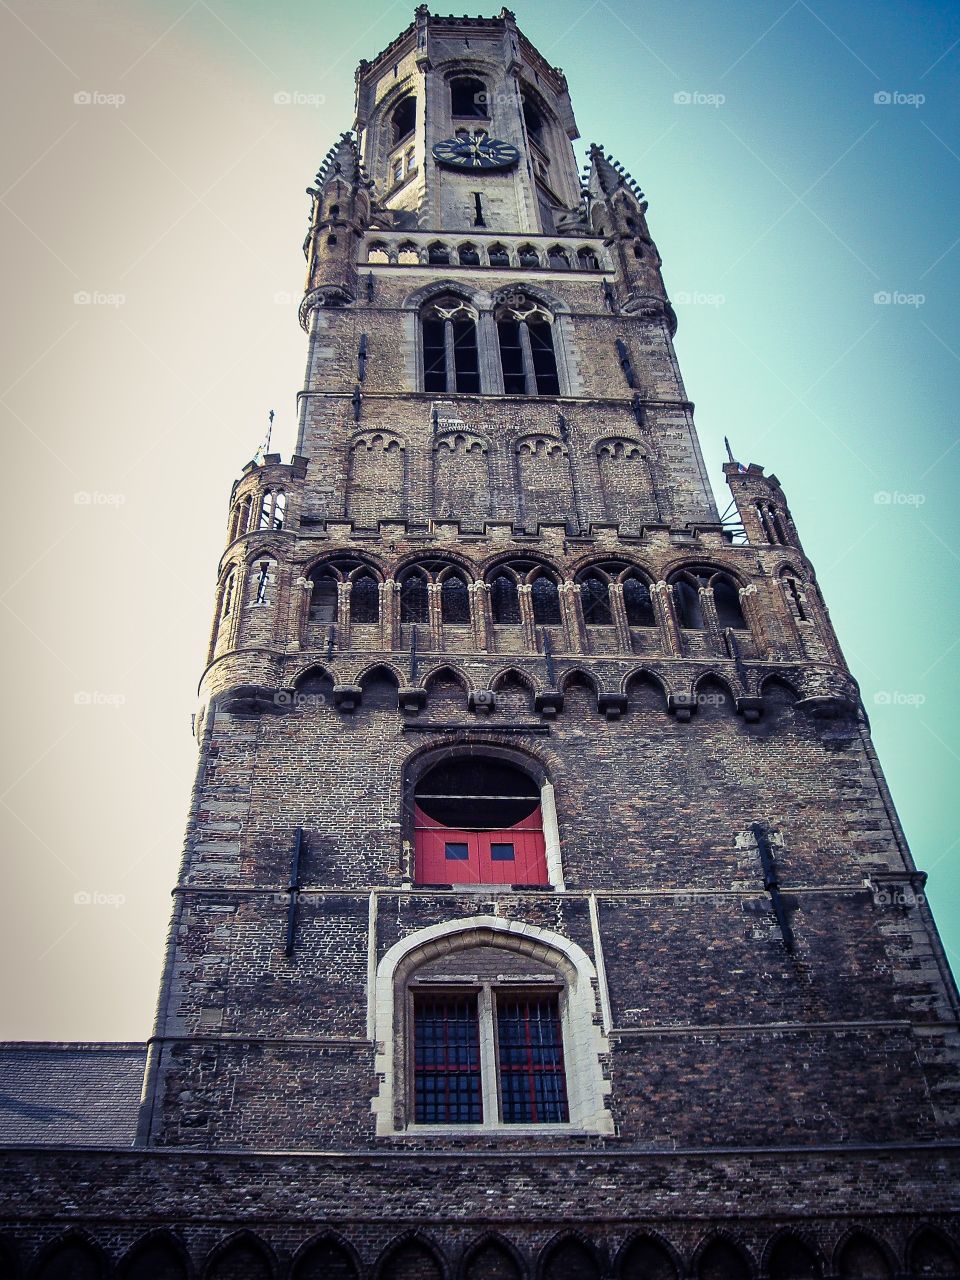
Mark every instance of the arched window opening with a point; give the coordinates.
(240, 1258)
(468, 97)
(454, 600)
(404, 118)
(795, 599)
(323, 597)
(498, 255)
(528, 257)
(931, 1255)
(588, 260)
(364, 599)
(469, 255)
(438, 255)
(408, 254)
(595, 599)
(229, 587)
(638, 251)
(545, 597)
(491, 1261)
(477, 820)
(721, 1261)
(647, 1259)
(792, 1259)
(534, 121)
(414, 598)
(638, 603)
(262, 582)
(504, 600)
(378, 253)
(557, 258)
(273, 509)
(325, 1260)
(153, 1258)
(527, 357)
(861, 1258)
(687, 599)
(570, 1260)
(451, 361)
(726, 599)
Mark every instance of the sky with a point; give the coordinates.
(802, 163)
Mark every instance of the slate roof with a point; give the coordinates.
(84, 1095)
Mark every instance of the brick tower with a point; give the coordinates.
(544, 912)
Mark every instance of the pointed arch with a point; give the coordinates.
(446, 672)
(780, 688)
(702, 683)
(513, 673)
(643, 676)
(931, 1253)
(647, 1256)
(159, 1255)
(325, 1257)
(72, 1256)
(860, 1255)
(720, 1258)
(379, 683)
(570, 1256)
(242, 1256)
(790, 1256)
(412, 1256)
(579, 676)
(492, 1257)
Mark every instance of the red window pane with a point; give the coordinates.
(446, 1057)
(514, 855)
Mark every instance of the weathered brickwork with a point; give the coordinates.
(496, 544)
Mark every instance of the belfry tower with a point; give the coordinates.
(544, 911)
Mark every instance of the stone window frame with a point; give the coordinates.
(585, 1044)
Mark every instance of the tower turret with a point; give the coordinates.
(340, 215)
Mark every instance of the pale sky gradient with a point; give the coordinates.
(779, 212)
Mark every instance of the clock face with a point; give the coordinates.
(481, 152)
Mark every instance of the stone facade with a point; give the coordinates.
(497, 543)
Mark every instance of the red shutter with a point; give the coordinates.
(439, 851)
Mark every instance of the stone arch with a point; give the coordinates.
(492, 1258)
(242, 1256)
(159, 1255)
(379, 683)
(417, 298)
(860, 1255)
(644, 676)
(587, 1045)
(579, 675)
(719, 1257)
(447, 672)
(410, 1257)
(325, 1257)
(333, 559)
(570, 1256)
(781, 688)
(376, 477)
(791, 1256)
(646, 1256)
(513, 673)
(701, 689)
(931, 1253)
(72, 1256)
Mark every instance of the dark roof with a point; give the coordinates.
(84, 1095)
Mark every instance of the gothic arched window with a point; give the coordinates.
(504, 599)
(534, 120)
(454, 599)
(588, 260)
(527, 256)
(403, 121)
(545, 598)
(323, 597)
(364, 598)
(687, 588)
(595, 599)
(414, 597)
(450, 357)
(498, 255)
(557, 258)
(527, 356)
(638, 603)
(468, 97)
(438, 254)
(273, 509)
(468, 255)
(229, 587)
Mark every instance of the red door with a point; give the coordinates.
(445, 855)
